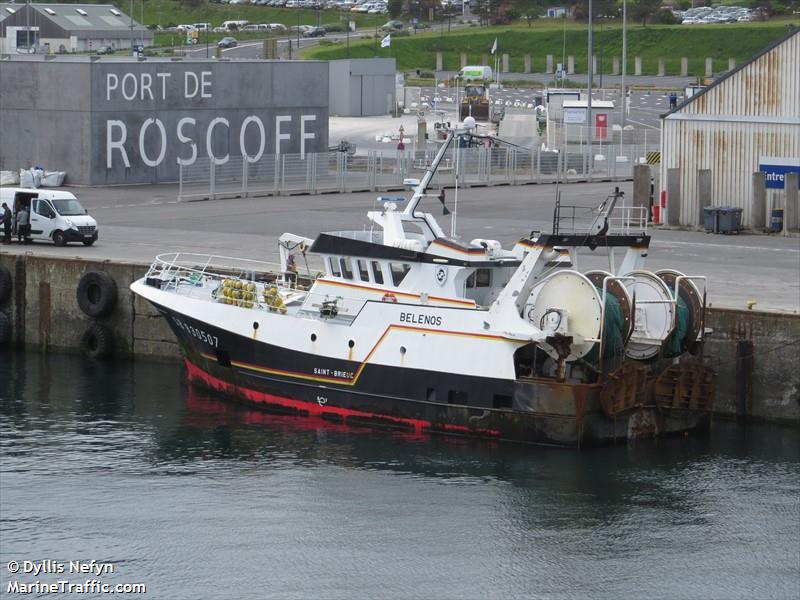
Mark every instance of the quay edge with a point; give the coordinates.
(756, 354)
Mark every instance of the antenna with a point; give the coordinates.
(455, 195)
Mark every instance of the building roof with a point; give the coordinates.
(6, 10)
(76, 17)
(585, 104)
(689, 102)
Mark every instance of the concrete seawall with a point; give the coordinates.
(756, 354)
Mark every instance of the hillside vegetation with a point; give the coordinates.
(720, 42)
(172, 12)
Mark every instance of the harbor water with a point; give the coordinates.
(195, 497)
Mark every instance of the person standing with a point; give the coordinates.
(23, 224)
(6, 221)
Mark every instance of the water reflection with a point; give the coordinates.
(125, 462)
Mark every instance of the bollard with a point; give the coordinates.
(758, 203)
(505, 63)
(527, 63)
(615, 66)
(218, 52)
(637, 65)
(439, 61)
(703, 194)
(684, 67)
(463, 59)
(662, 68)
(549, 65)
(731, 64)
(673, 197)
(790, 213)
(570, 65)
(641, 185)
(594, 65)
(709, 67)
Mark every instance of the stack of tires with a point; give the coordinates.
(97, 298)
(6, 286)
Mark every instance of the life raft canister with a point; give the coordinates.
(389, 297)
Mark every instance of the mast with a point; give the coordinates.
(422, 186)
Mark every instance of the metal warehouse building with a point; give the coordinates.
(714, 142)
(50, 28)
(362, 87)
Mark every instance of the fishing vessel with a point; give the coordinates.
(406, 326)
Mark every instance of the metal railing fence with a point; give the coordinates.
(285, 174)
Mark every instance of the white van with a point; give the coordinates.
(476, 73)
(54, 215)
(235, 25)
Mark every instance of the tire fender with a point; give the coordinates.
(5, 329)
(97, 294)
(97, 341)
(6, 284)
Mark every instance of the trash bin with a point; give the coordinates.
(710, 216)
(729, 219)
(776, 222)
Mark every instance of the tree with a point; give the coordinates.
(645, 9)
(529, 9)
(395, 8)
(607, 8)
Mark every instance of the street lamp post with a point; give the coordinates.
(589, 94)
(624, 99)
(347, 29)
(131, 27)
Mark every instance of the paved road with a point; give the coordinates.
(138, 222)
(645, 107)
(255, 48)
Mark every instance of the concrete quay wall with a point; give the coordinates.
(44, 311)
(756, 354)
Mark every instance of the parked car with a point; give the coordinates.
(314, 32)
(392, 26)
(227, 42)
(105, 50)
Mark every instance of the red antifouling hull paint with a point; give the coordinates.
(317, 411)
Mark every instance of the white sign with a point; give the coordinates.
(574, 116)
(155, 135)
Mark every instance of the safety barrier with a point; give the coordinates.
(285, 174)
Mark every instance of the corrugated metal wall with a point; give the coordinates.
(754, 112)
(731, 150)
(767, 87)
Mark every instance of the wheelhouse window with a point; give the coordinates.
(457, 397)
(480, 278)
(399, 272)
(333, 263)
(347, 269)
(363, 273)
(377, 272)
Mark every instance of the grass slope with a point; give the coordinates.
(739, 41)
(173, 12)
